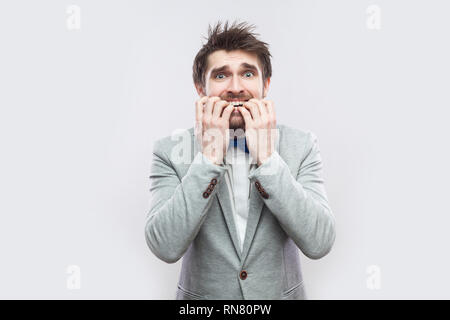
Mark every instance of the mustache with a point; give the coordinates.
(234, 97)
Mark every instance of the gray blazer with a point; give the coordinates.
(191, 217)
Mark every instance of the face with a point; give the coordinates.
(234, 76)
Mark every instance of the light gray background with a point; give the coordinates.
(80, 111)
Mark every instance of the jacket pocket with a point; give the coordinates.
(296, 292)
(184, 294)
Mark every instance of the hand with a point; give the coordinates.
(260, 128)
(212, 127)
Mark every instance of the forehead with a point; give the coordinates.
(233, 58)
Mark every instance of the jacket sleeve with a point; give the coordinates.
(299, 203)
(178, 207)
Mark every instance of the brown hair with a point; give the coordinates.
(238, 36)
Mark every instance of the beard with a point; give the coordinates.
(236, 121)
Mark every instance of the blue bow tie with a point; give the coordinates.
(235, 141)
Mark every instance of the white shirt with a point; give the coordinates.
(238, 164)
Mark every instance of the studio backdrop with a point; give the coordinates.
(87, 87)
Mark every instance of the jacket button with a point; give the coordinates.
(258, 185)
(209, 190)
(211, 186)
(205, 194)
(265, 195)
(243, 275)
(214, 181)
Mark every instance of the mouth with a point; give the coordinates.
(237, 103)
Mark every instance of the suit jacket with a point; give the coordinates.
(191, 217)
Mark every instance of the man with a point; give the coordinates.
(250, 195)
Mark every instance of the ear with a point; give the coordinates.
(200, 90)
(266, 87)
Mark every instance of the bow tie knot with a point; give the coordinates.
(238, 143)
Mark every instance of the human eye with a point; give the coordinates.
(248, 74)
(220, 76)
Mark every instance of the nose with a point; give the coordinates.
(235, 86)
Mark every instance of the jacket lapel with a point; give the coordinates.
(224, 195)
(256, 205)
(254, 213)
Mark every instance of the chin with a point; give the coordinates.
(237, 122)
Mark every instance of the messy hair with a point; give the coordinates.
(237, 36)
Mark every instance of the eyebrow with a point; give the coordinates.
(242, 66)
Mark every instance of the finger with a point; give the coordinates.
(246, 114)
(270, 109)
(210, 105)
(199, 115)
(253, 109)
(227, 112)
(218, 107)
(199, 108)
(259, 103)
(261, 107)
